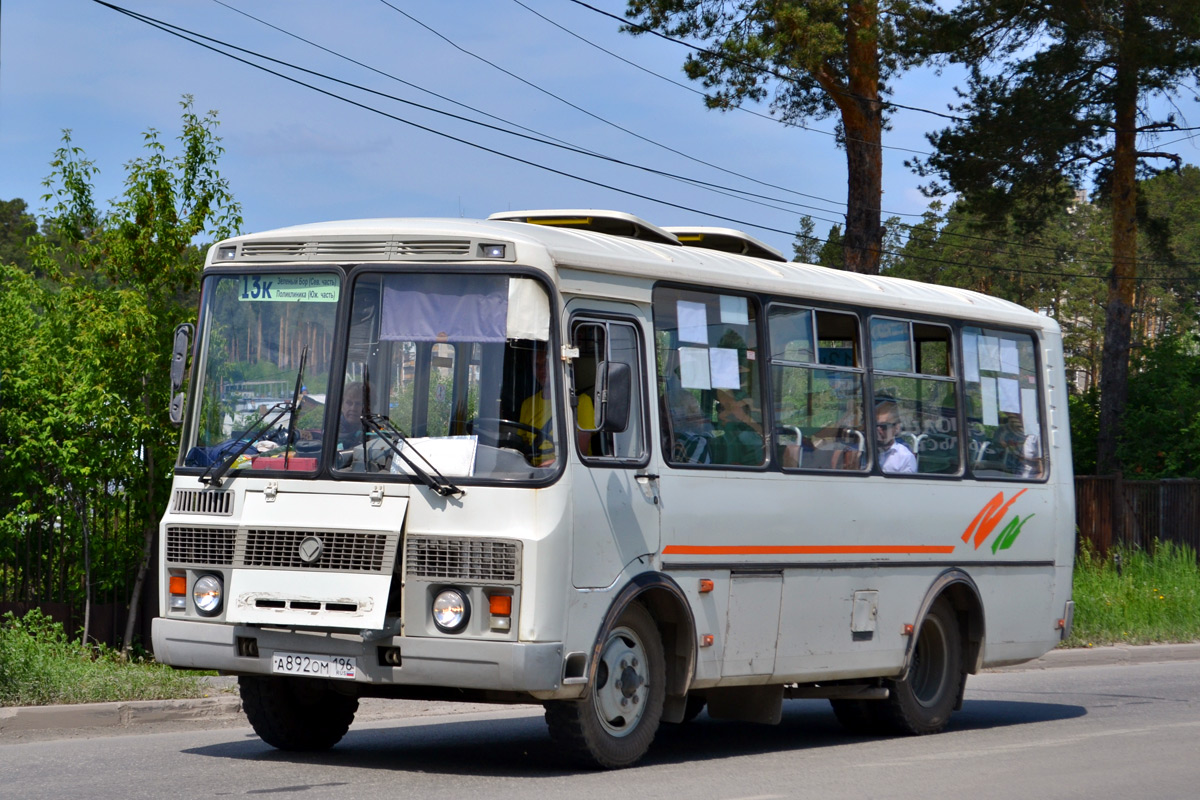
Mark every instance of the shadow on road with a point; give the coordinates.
(521, 747)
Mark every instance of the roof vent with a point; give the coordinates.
(613, 223)
(727, 240)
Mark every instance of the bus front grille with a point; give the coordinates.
(340, 550)
(267, 548)
(202, 501)
(207, 546)
(463, 559)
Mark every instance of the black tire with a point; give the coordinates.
(921, 702)
(615, 722)
(301, 714)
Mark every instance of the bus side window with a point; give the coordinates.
(818, 388)
(606, 346)
(1003, 408)
(708, 377)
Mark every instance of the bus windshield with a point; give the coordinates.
(450, 372)
(256, 329)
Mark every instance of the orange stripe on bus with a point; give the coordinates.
(804, 550)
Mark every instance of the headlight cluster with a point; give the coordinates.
(451, 611)
(208, 594)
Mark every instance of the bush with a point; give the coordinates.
(1135, 596)
(39, 665)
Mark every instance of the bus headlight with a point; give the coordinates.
(451, 610)
(207, 594)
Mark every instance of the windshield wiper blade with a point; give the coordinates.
(215, 472)
(291, 431)
(212, 477)
(390, 435)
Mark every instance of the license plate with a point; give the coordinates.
(314, 666)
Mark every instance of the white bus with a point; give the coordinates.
(575, 459)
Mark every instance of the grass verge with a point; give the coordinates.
(1134, 596)
(40, 666)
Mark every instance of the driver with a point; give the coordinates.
(537, 412)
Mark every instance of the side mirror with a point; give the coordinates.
(614, 393)
(179, 355)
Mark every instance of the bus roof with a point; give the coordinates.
(547, 247)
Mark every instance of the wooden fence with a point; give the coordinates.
(1110, 510)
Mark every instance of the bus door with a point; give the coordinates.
(615, 512)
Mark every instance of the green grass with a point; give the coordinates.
(40, 666)
(1150, 598)
(1135, 597)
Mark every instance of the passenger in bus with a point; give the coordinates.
(537, 411)
(1018, 452)
(691, 430)
(741, 439)
(894, 456)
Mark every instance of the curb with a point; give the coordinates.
(228, 707)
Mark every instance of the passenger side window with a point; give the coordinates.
(1003, 414)
(817, 383)
(602, 431)
(708, 378)
(915, 407)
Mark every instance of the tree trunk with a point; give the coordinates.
(135, 597)
(862, 122)
(1118, 310)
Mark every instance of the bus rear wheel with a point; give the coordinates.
(300, 714)
(615, 722)
(921, 702)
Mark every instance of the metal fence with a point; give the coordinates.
(1110, 511)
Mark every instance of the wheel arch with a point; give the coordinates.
(960, 591)
(672, 615)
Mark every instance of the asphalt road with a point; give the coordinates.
(1095, 731)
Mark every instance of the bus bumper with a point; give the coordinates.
(425, 661)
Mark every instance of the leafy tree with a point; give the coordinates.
(806, 247)
(1055, 95)
(95, 421)
(833, 252)
(1162, 423)
(821, 58)
(16, 225)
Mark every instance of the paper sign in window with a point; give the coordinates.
(1029, 410)
(693, 368)
(1010, 362)
(971, 357)
(1010, 395)
(987, 389)
(723, 362)
(735, 310)
(693, 321)
(989, 353)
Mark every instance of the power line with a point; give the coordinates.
(773, 73)
(187, 35)
(684, 86)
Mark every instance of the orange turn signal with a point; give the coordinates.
(706, 585)
(907, 630)
(178, 584)
(706, 640)
(500, 605)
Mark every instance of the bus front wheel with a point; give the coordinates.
(615, 722)
(302, 714)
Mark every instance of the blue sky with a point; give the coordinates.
(293, 155)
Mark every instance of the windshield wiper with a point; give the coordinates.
(213, 475)
(390, 435)
(215, 472)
